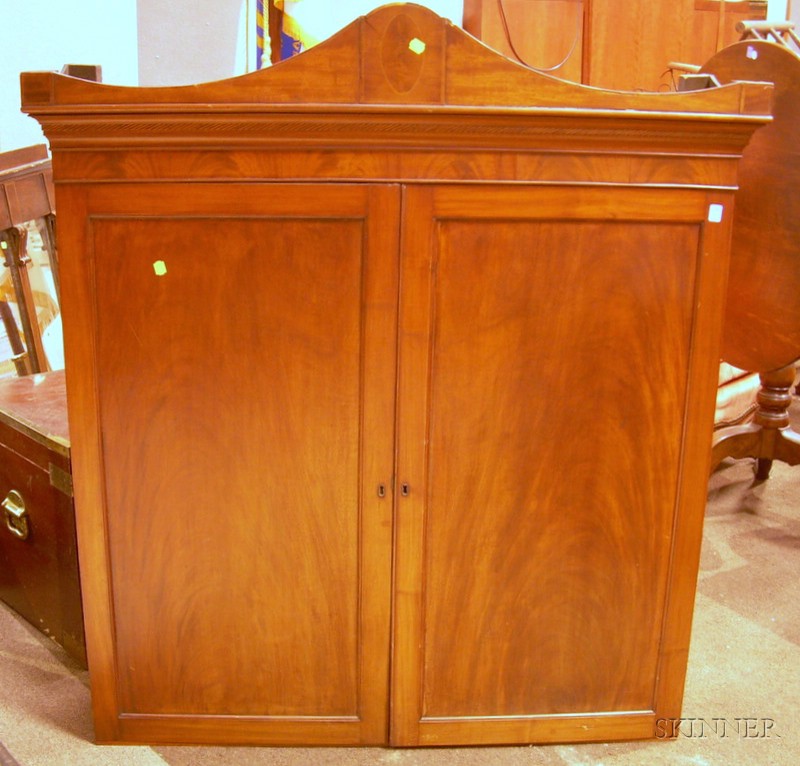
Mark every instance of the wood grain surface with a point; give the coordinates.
(762, 322)
(330, 332)
(255, 346)
(531, 568)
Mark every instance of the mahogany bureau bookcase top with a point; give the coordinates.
(327, 331)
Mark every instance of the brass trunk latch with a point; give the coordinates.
(16, 515)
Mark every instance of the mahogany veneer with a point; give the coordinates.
(326, 327)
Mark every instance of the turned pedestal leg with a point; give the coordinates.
(769, 436)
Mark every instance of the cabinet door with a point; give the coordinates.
(232, 375)
(558, 350)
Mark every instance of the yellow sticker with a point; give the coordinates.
(417, 46)
(160, 268)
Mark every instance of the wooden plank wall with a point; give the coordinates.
(606, 43)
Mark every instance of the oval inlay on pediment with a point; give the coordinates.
(402, 53)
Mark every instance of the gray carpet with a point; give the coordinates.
(744, 664)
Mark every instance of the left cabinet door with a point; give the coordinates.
(231, 357)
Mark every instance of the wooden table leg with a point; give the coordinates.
(14, 242)
(48, 233)
(20, 356)
(769, 436)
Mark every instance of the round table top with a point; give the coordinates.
(762, 322)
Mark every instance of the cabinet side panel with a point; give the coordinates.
(230, 385)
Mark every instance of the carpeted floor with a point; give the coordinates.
(744, 663)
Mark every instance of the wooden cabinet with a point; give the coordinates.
(608, 44)
(28, 263)
(548, 35)
(330, 331)
(38, 549)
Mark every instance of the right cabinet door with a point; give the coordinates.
(557, 356)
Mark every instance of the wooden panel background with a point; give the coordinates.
(547, 35)
(622, 46)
